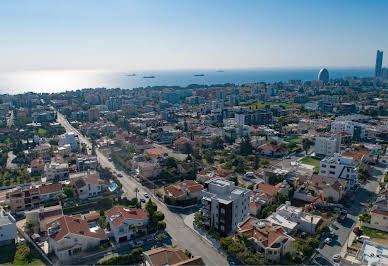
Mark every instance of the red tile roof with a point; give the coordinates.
(385, 213)
(120, 214)
(74, 225)
(174, 191)
(37, 162)
(267, 188)
(50, 188)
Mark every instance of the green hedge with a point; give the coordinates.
(102, 204)
(136, 256)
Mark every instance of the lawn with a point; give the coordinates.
(311, 161)
(374, 233)
(42, 132)
(296, 140)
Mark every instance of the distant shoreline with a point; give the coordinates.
(59, 81)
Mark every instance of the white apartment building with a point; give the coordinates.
(305, 222)
(56, 171)
(69, 138)
(8, 231)
(224, 205)
(339, 166)
(327, 145)
(355, 129)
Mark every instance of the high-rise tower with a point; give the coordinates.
(379, 63)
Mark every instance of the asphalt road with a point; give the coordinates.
(182, 236)
(357, 203)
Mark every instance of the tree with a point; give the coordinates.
(151, 207)
(363, 172)
(187, 148)
(136, 191)
(217, 143)
(246, 146)
(161, 225)
(29, 227)
(306, 143)
(161, 237)
(170, 162)
(69, 191)
(365, 217)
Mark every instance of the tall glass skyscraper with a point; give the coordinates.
(379, 62)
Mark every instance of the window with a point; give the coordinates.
(323, 171)
(331, 172)
(332, 166)
(323, 165)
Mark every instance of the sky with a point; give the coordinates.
(190, 34)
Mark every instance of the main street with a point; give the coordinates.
(183, 236)
(356, 204)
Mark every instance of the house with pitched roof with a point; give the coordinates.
(87, 184)
(70, 236)
(169, 256)
(126, 223)
(271, 241)
(184, 189)
(272, 150)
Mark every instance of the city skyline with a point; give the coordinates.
(137, 35)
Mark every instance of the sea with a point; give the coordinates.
(52, 81)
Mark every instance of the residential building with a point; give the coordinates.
(148, 169)
(37, 166)
(49, 191)
(70, 236)
(8, 231)
(338, 166)
(329, 187)
(126, 223)
(93, 114)
(20, 200)
(181, 143)
(43, 216)
(56, 171)
(85, 162)
(87, 184)
(169, 256)
(69, 138)
(327, 145)
(305, 222)
(373, 254)
(355, 129)
(224, 205)
(272, 150)
(183, 190)
(270, 241)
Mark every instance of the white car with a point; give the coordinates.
(336, 257)
(146, 195)
(328, 240)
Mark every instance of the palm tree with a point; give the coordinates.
(136, 190)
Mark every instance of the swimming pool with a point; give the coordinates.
(112, 187)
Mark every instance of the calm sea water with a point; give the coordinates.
(57, 81)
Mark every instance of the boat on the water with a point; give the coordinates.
(199, 75)
(131, 75)
(148, 77)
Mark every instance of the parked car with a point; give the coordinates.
(331, 234)
(362, 238)
(137, 244)
(142, 200)
(336, 257)
(120, 175)
(357, 231)
(146, 195)
(328, 240)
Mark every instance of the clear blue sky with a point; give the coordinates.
(183, 34)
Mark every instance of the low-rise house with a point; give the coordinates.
(330, 188)
(266, 188)
(126, 223)
(41, 151)
(272, 150)
(8, 231)
(181, 143)
(41, 217)
(373, 254)
(37, 166)
(183, 190)
(70, 236)
(65, 150)
(257, 201)
(169, 256)
(156, 154)
(306, 222)
(69, 138)
(49, 191)
(87, 184)
(148, 169)
(271, 241)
